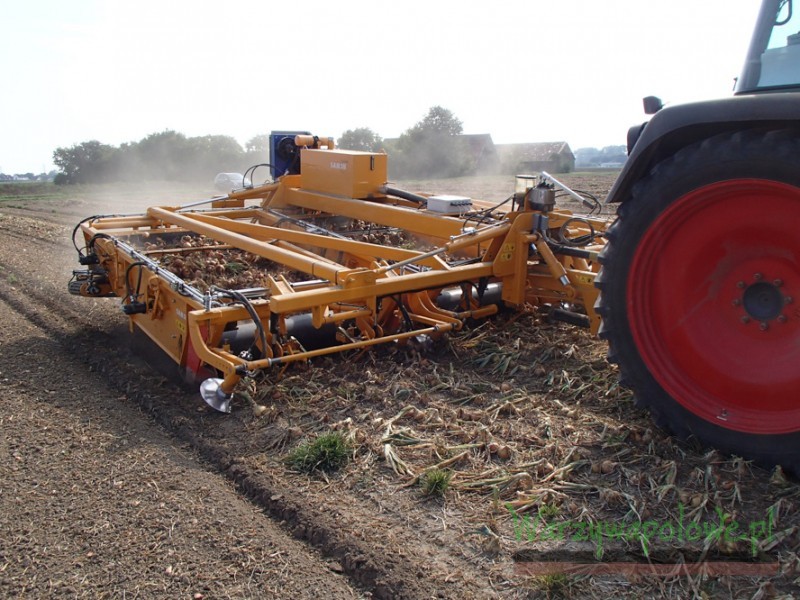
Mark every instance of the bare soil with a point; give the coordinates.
(117, 482)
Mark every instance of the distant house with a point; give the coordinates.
(555, 157)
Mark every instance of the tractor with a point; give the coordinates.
(700, 284)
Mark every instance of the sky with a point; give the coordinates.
(520, 70)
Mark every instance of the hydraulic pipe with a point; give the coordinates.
(557, 270)
(390, 191)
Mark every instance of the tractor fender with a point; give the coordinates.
(675, 127)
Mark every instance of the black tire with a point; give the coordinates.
(666, 240)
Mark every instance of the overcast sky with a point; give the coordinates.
(523, 71)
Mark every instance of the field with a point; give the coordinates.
(506, 444)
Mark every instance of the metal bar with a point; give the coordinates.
(162, 251)
(575, 195)
(267, 232)
(416, 221)
(441, 328)
(337, 317)
(201, 202)
(292, 260)
(410, 282)
(457, 241)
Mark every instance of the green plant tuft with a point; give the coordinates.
(548, 510)
(327, 453)
(235, 267)
(436, 482)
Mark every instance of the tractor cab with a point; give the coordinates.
(773, 60)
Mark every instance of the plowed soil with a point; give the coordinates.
(117, 482)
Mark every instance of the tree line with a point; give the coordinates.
(598, 157)
(167, 155)
(429, 148)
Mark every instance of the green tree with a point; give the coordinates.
(431, 148)
(86, 162)
(439, 120)
(257, 150)
(170, 155)
(258, 144)
(211, 154)
(162, 155)
(167, 155)
(614, 154)
(361, 138)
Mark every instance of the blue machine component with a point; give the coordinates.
(283, 153)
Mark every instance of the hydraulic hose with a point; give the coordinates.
(403, 194)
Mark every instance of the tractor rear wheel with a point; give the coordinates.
(700, 294)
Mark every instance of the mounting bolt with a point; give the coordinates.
(740, 284)
(777, 283)
(745, 319)
(757, 276)
(781, 318)
(763, 326)
(788, 300)
(736, 302)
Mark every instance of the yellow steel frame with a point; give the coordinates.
(358, 284)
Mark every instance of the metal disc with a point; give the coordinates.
(213, 395)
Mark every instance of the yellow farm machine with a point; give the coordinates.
(345, 262)
(698, 293)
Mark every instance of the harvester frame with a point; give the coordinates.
(352, 294)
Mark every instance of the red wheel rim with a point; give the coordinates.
(714, 304)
